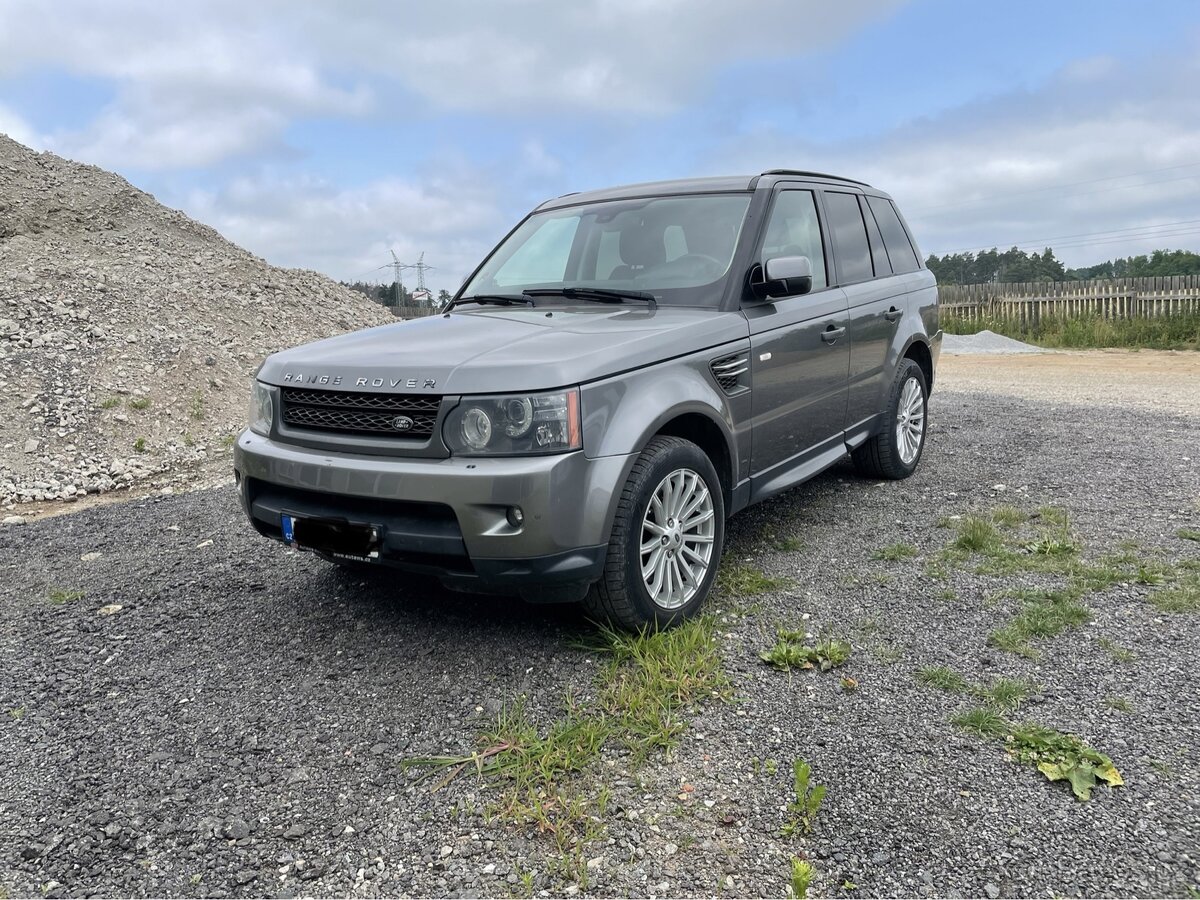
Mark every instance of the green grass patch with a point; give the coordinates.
(196, 408)
(943, 678)
(791, 652)
(1006, 693)
(139, 445)
(139, 403)
(982, 720)
(895, 552)
(1120, 704)
(1116, 651)
(58, 596)
(977, 535)
(646, 685)
(1188, 534)
(110, 402)
(1173, 331)
(1183, 596)
(741, 580)
(17, 713)
(1009, 516)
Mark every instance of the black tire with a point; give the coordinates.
(880, 456)
(621, 597)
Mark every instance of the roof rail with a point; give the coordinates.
(813, 175)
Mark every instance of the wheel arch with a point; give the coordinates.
(918, 351)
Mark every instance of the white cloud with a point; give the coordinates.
(348, 233)
(199, 83)
(1033, 165)
(18, 129)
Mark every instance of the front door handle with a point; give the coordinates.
(893, 314)
(831, 334)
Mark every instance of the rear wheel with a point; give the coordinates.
(895, 451)
(666, 539)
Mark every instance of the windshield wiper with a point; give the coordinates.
(494, 299)
(597, 295)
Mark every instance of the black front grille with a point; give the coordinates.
(352, 412)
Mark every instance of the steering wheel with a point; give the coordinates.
(707, 264)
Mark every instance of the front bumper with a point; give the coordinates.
(448, 517)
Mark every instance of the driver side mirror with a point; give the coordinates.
(785, 276)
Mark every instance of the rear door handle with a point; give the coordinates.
(831, 334)
(893, 314)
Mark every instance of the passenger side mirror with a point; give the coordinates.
(787, 276)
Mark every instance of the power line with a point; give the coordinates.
(1041, 242)
(917, 212)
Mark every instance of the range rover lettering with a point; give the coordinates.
(623, 372)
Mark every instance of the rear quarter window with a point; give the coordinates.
(895, 238)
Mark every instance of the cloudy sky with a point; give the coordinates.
(324, 135)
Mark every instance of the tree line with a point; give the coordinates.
(397, 295)
(1019, 266)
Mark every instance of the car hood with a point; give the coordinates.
(495, 350)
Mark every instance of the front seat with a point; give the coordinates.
(641, 247)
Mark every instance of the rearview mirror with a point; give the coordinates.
(787, 276)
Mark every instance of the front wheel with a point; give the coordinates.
(666, 539)
(895, 451)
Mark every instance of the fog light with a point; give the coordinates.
(515, 516)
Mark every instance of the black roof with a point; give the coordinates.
(688, 186)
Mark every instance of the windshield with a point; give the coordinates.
(677, 248)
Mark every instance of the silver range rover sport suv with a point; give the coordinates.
(623, 372)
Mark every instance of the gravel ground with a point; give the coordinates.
(236, 727)
(986, 342)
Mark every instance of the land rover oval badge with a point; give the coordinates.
(402, 423)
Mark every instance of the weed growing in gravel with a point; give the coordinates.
(1058, 756)
(139, 403)
(110, 402)
(942, 678)
(741, 580)
(895, 552)
(802, 876)
(17, 713)
(1062, 757)
(1054, 515)
(139, 445)
(58, 596)
(644, 687)
(789, 545)
(1120, 704)
(802, 812)
(1188, 534)
(196, 407)
(790, 652)
(1116, 651)
(1182, 597)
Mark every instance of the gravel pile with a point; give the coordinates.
(218, 716)
(128, 331)
(986, 342)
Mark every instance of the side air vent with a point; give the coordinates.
(729, 371)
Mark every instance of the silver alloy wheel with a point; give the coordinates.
(677, 538)
(910, 421)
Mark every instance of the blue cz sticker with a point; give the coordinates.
(289, 530)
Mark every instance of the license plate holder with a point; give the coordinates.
(335, 536)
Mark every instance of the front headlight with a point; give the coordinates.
(260, 409)
(515, 425)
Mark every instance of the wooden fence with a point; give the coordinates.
(1113, 298)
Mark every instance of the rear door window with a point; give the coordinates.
(895, 238)
(849, 237)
